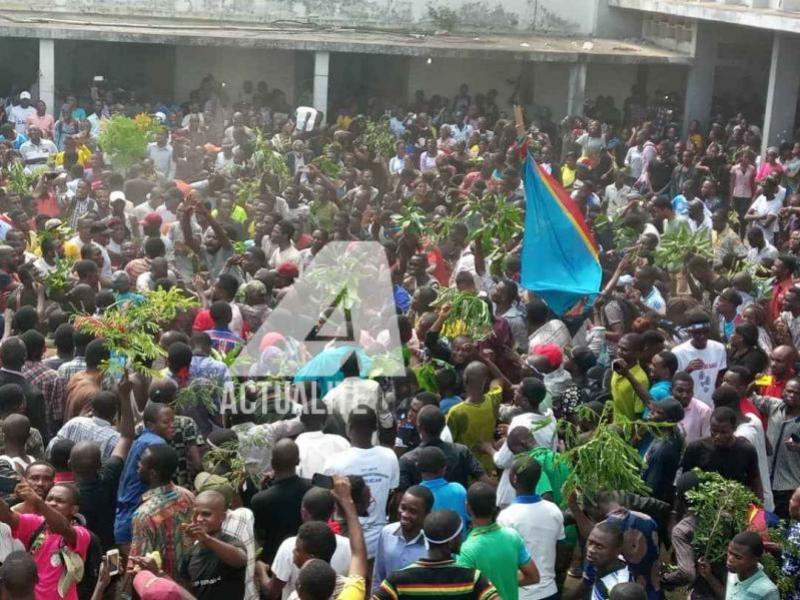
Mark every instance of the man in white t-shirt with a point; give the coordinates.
(316, 509)
(702, 358)
(539, 522)
(377, 465)
(764, 210)
(315, 446)
(19, 113)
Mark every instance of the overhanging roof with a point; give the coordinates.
(706, 10)
(301, 36)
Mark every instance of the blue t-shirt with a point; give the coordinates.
(448, 403)
(131, 488)
(450, 495)
(680, 205)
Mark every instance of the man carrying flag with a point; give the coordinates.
(560, 259)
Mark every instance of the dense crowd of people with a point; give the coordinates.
(136, 483)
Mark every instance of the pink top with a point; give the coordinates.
(696, 423)
(767, 169)
(743, 181)
(45, 123)
(48, 557)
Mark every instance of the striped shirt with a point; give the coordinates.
(436, 579)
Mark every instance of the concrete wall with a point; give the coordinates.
(144, 67)
(234, 66)
(565, 16)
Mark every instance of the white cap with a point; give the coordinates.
(160, 116)
(116, 195)
(25, 95)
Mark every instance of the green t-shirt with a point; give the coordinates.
(627, 403)
(497, 552)
(472, 424)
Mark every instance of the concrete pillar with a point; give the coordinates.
(47, 75)
(700, 81)
(782, 90)
(576, 92)
(322, 61)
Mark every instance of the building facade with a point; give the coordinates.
(548, 54)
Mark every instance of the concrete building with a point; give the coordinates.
(550, 54)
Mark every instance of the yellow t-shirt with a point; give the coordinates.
(354, 589)
(626, 401)
(472, 424)
(567, 176)
(84, 156)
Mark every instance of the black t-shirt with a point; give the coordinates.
(738, 462)
(208, 576)
(660, 172)
(98, 502)
(277, 512)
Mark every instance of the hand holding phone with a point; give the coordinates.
(112, 559)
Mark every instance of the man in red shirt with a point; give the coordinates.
(781, 370)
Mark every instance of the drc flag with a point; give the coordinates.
(560, 261)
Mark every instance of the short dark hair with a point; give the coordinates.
(431, 420)
(96, 353)
(750, 540)
(528, 472)
(163, 460)
(228, 284)
(724, 414)
(430, 459)
(316, 579)
(670, 361)
(11, 398)
(627, 591)
(63, 338)
(482, 499)
(441, 524)
(35, 344)
(611, 528)
(363, 419)
(424, 494)
(151, 412)
(684, 377)
(104, 405)
(725, 395)
(18, 574)
(318, 539)
(221, 313)
(319, 503)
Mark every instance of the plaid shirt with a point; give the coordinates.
(52, 386)
(68, 369)
(92, 429)
(157, 525)
(239, 524)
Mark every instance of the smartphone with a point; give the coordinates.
(323, 481)
(8, 485)
(112, 557)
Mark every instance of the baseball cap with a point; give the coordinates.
(551, 352)
(116, 195)
(160, 116)
(152, 218)
(25, 95)
(52, 223)
(288, 269)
